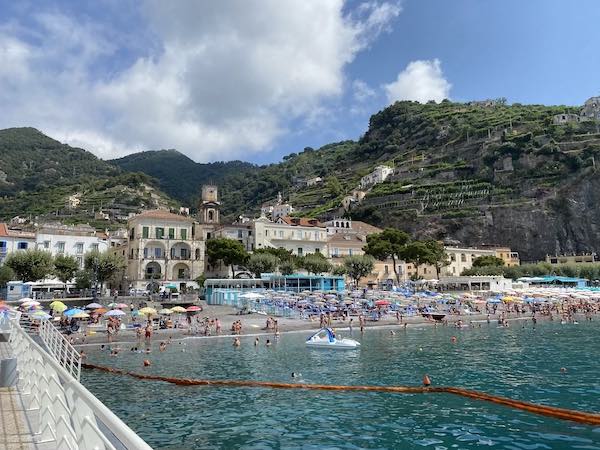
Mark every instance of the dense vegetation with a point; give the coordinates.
(38, 174)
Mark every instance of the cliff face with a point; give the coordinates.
(567, 222)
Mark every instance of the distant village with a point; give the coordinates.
(160, 246)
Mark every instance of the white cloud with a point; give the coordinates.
(421, 81)
(225, 81)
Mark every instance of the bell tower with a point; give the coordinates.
(208, 209)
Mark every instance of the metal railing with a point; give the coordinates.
(59, 347)
(62, 411)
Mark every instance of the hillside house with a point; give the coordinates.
(379, 175)
(563, 119)
(590, 110)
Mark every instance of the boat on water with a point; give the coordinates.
(326, 338)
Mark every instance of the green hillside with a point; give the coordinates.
(39, 174)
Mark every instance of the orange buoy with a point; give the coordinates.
(147, 363)
(426, 381)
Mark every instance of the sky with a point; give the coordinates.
(258, 79)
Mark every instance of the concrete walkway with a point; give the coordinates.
(15, 432)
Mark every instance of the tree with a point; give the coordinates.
(489, 260)
(417, 253)
(339, 270)
(334, 187)
(259, 263)
(30, 265)
(281, 253)
(437, 256)
(359, 266)
(83, 279)
(229, 251)
(315, 263)
(104, 266)
(6, 275)
(387, 244)
(287, 267)
(65, 268)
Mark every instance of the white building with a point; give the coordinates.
(73, 240)
(378, 175)
(313, 181)
(12, 240)
(281, 210)
(241, 232)
(299, 235)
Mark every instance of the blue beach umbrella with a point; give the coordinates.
(73, 311)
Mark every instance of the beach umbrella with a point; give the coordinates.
(59, 308)
(178, 309)
(94, 306)
(165, 311)
(121, 305)
(56, 302)
(382, 302)
(147, 311)
(193, 308)
(29, 303)
(26, 299)
(114, 313)
(73, 311)
(494, 300)
(81, 315)
(41, 315)
(112, 305)
(100, 311)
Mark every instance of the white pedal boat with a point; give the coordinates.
(325, 338)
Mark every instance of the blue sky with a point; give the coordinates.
(258, 79)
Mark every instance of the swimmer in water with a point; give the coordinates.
(453, 339)
(256, 341)
(268, 343)
(236, 342)
(392, 333)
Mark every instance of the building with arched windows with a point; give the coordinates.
(163, 249)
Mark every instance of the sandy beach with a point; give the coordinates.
(255, 325)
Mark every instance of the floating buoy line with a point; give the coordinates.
(549, 411)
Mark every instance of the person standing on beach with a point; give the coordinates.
(218, 326)
(148, 331)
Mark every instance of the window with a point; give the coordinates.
(2, 246)
(349, 252)
(145, 232)
(386, 269)
(157, 252)
(316, 235)
(281, 234)
(159, 232)
(299, 251)
(181, 274)
(171, 233)
(80, 262)
(184, 253)
(317, 250)
(145, 253)
(211, 215)
(183, 233)
(94, 247)
(79, 248)
(60, 247)
(131, 234)
(336, 252)
(453, 257)
(22, 245)
(463, 257)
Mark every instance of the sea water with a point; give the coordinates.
(516, 362)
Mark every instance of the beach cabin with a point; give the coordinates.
(16, 290)
(229, 288)
(553, 281)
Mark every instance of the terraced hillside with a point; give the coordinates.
(44, 179)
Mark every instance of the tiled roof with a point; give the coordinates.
(163, 215)
(7, 232)
(364, 228)
(301, 221)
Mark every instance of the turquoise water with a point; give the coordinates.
(515, 362)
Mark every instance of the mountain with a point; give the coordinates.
(38, 175)
(178, 175)
(470, 173)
